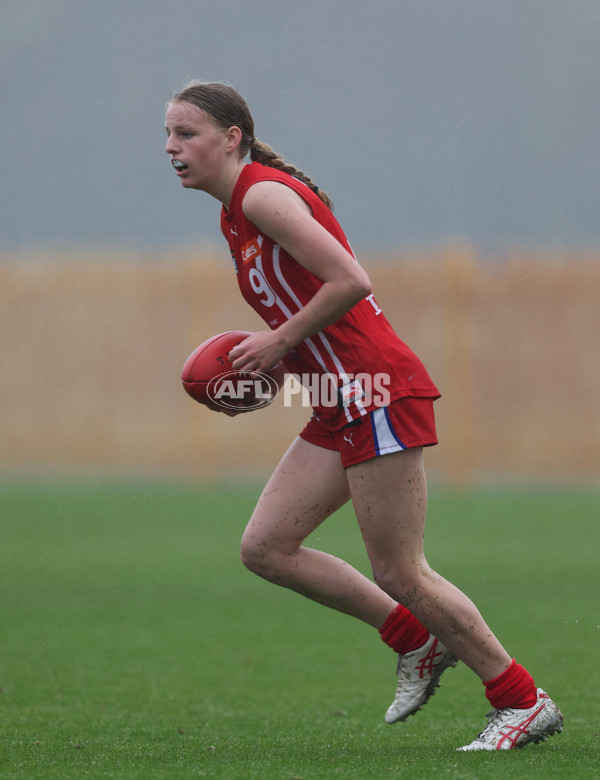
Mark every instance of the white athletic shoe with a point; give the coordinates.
(510, 728)
(419, 675)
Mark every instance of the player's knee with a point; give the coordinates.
(250, 556)
(400, 583)
(387, 581)
(256, 557)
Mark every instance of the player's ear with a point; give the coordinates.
(233, 138)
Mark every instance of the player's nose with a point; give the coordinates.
(170, 147)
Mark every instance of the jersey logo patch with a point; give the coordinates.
(250, 251)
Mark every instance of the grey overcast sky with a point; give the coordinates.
(424, 121)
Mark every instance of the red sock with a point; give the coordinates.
(513, 688)
(402, 631)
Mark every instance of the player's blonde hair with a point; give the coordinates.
(228, 108)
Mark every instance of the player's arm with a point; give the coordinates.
(280, 213)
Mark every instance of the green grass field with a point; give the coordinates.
(133, 644)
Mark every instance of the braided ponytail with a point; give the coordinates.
(262, 153)
(227, 109)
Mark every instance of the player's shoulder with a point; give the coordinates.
(269, 198)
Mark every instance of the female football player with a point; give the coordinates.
(296, 269)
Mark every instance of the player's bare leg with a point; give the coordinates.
(308, 485)
(390, 499)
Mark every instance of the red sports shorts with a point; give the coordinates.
(406, 423)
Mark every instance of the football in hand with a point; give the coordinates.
(209, 378)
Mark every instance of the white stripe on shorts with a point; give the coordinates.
(385, 438)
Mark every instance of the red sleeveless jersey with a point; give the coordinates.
(359, 347)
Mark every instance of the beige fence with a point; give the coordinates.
(92, 348)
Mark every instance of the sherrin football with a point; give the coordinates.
(209, 378)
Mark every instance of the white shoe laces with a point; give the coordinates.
(495, 721)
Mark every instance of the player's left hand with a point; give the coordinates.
(259, 352)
